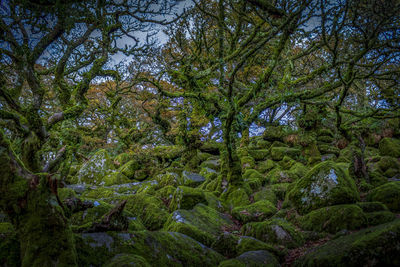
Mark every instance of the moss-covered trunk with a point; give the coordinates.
(28, 199)
(231, 167)
(44, 233)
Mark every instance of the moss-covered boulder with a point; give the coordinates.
(258, 258)
(326, 184)
(226, 244)
(168, 179)
(121, 159)
(255, 212)
(129, 169)
(389, 194)
(114, 178)
(127, 260)
(379, 217)
(186, 198)
(334, 218)
(237, 197)
(273, 133)
(201, 223)
(192, 179)
(156, 248)
(168, 153)
(275, 231)
(389, 147)
(151, 210)
(266, 193)
(376, 246)
(98, 166)
(259, 154)
(278, 153)
(211, 163)
(247, 162)
(248, 243)
(265, 166)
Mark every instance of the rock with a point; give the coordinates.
(326, 184)
(211, 163)
(96, 168)
(192, 179)
(127, 260)
(389, 147)
(151, 210)
(379, 217)
(277, 153)
(276, 231)
(254, 212)
(168, 179)
(226, 244)
(266, 166)
(114, 179)
(259, 154)
(376, 246)
(237, 197)
(389, 194)
(248, 243)
(334, 218)
(121, 159)
(129, 169)
(156, 248)
(201, 223)
(258, 258)
(247, 162)
(372, 206)
(386, 163)
(186, 198)
(265, 193)
(167, 153)
(273, 133)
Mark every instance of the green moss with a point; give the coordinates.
(259, 154)
(387, 162)
(99, 193)
(263, 144)
(278, 153)
(379, 245)
(389, 147)
(326, 184)
(280, 190)
(266, 166)
(328, 149)
(254, 212)
(276, 231)
(389, 194)
(64, 193)
(186, 198)
(129, 169)
(298, 170)
(122, 158)
(167, 153)
(232, 263)
(211, 163)
(151, 210)
(334, 218)
(325, 139)
(248, 243)
(372, 206)
(226, 244)
(114, 178)
(214, 202)
(325, 132)
(157, 248)
(265, 194)
(379, 217)
(166, 193)
(247, 162)
(273, 133)
(126, 260)
(99, 165)
(9, 246)
(237, 197)
(201, 223)
(258, 258)
(278, 175)
(287, 162)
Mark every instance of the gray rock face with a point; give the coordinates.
(258, 258)
(192, 179)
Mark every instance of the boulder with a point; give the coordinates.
(334, 218)
(389, 194)
(275, 231)
(389, 147)
(192, 179)
(98, 166)
(326, 184)
(254, 212)
(277, 153)
(186, 198)
(375, 246)
(201, 223)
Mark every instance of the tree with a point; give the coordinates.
(51, 53)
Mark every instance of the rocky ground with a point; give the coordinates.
(303, 202)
